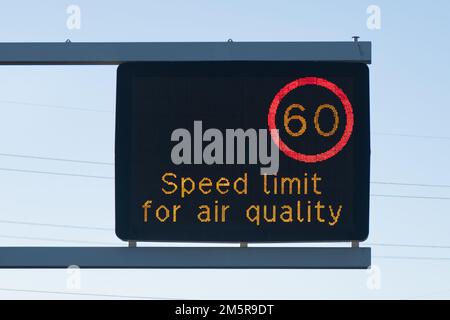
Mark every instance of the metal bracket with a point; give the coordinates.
(356, 40)
(243, 245)
(132, 244)
(355, 244)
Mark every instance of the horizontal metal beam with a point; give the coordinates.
(97, 53)
(185, 257)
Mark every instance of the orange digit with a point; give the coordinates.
(335, 124)
(288, 119)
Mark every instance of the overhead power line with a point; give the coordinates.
(25, 103)
(57, 173)
(54, 106)
(64, 226)
(53, 225)
(4, 236)
(87, 294)
(408, 196)
(111, 164)
(414, 258)
(405, 245)
(411, 184)
(112, 178)
(115, 244)
(411, 135)
(14, 155)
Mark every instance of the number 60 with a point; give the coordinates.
(296, 117)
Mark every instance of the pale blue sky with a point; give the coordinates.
(409, 95)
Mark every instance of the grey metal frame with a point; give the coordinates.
(70, 53)
(185, 257)
(84, 53)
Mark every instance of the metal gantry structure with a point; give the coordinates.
(132, 256)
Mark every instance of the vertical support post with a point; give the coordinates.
(132, 244)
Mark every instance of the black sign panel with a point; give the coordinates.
(242, 151)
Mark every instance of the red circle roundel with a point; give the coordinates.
(313, 81)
